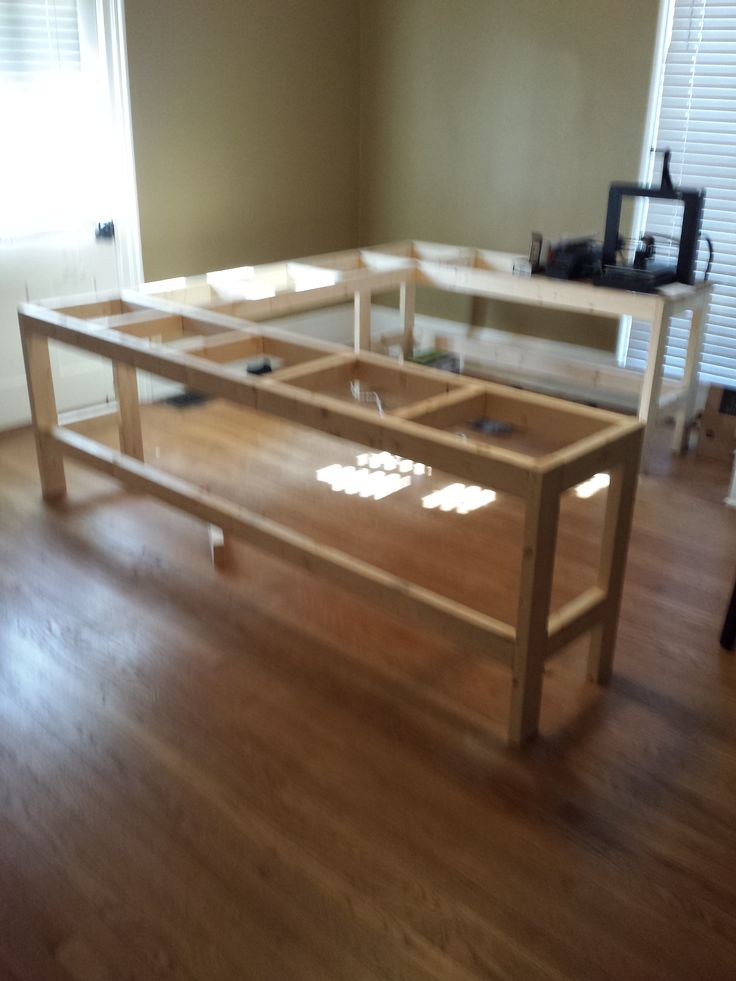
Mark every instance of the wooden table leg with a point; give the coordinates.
(129, 411)
(131, 444)
(614, 548)
(652, 384)
(43, 412)
(540, 539)
(686, 413)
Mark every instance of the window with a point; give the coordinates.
(38, 36)
(55, 130)
(697, 121)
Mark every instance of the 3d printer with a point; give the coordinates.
(645, 274)
(585, 258)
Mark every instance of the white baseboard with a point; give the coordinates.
(14, 407)
(89, 393)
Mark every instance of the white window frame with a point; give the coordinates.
(113, 47)
(651, 125)
(717, 362)
(103, 62)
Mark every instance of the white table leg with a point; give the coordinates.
(652, 384)
(219, 546)
(690, 377)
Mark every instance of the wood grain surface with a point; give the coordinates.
(250, 775)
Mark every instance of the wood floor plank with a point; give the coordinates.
(252, 775)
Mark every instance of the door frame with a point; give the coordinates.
(665, 16)
(102, 25)
(113, 48)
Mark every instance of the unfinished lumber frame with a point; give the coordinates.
(261, 292)
(416, 422)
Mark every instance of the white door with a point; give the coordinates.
(66, 167)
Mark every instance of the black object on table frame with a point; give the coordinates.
(728, 635)
(693, 200)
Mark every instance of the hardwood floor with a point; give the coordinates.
(251, 776)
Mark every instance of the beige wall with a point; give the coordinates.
(245, 122)
(267, 129)
(484, 119)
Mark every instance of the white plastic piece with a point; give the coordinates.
(731, 499)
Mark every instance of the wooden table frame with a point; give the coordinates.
(133, 335)
(484, 274)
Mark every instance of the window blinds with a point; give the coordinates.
(697, 121)
(55, 167)
(38, 36)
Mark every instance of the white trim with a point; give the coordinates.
(622, 340)
(113, 48)
(656, 81)
(647, 157)
(74, 416)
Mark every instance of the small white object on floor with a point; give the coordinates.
(731, 499)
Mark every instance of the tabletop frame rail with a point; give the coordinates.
(357, 275)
